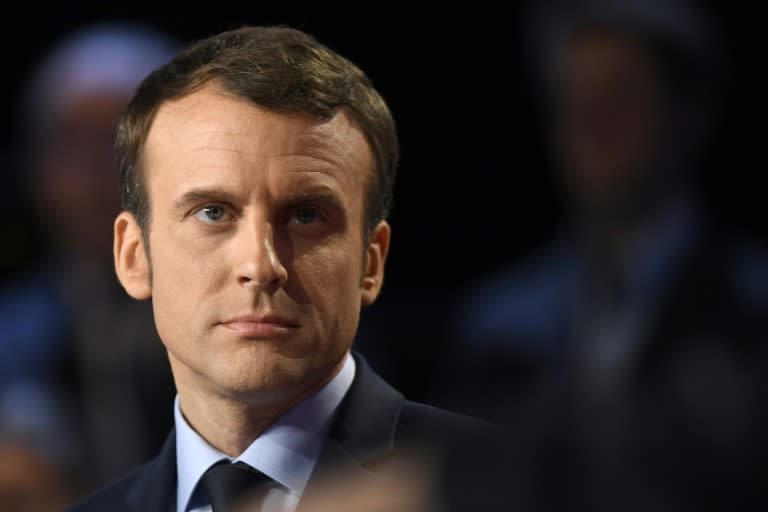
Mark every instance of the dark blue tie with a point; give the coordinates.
(229, 485)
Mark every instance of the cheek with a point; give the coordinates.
(329, 276)
(190, 263)
(182, 278)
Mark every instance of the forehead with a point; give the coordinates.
(602, 50)
(211, 130)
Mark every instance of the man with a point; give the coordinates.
(256, 176)
(631, 348)
(63, 300)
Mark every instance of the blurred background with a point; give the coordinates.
(579, 247)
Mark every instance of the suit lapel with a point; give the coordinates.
(155, 487)
(363, 432)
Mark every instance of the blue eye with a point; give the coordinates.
(305, 216)
(210, 213)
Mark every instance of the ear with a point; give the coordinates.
(131, 262)
(376, 256)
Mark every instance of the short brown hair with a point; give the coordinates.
(277, 68)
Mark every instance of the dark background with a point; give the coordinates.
(474, 191)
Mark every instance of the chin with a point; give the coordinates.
(265, 380)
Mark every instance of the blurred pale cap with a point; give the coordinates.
(102, 58)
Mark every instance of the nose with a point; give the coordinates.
(260, 266)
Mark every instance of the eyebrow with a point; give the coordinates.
(202, 195)
(320, 195)
(216, 194)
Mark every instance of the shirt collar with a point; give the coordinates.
(286, 452)
(649, 255)
(657, 248)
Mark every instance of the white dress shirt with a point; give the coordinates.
(286, 452)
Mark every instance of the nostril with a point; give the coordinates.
(262, 276)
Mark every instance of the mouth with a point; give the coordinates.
(266, 326)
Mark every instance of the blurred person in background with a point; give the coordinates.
(70, 341)
(628, 354)
(39, 463)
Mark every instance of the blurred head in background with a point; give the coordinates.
(69, 115)
(29, 482)
(630, 88)
(38, 460)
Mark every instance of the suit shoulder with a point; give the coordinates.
(419, 420)
(110, 497)
(515, 303)
(466, 453)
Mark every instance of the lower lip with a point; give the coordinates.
(260, 329)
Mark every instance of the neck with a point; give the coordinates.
(229, 423)
(613, 225)
(618, 241)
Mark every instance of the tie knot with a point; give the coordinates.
(229, 484)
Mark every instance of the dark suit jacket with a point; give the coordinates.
(374, 426)
(686, 426)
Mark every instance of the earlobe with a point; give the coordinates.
(131, 261)
(376, 256)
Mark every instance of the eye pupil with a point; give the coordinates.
(213, 212)
(305, 216)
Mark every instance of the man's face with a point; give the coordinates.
(608, 117)
(256, 244)
(75, 166)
